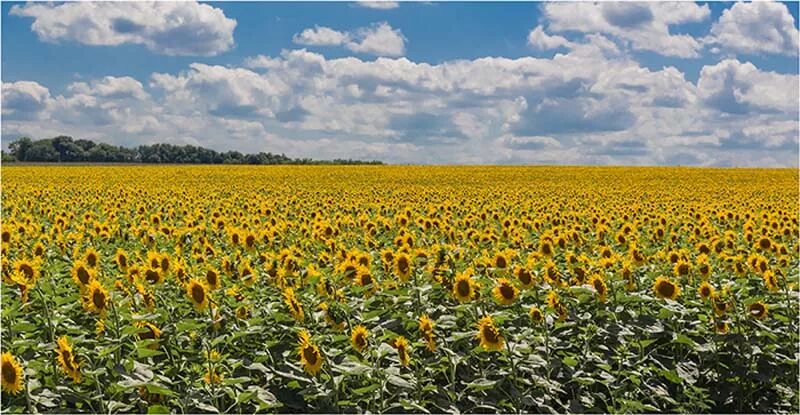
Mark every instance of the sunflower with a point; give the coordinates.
(524, 277)
(295, 307)
(310, 356)
(463, 287)
(599, 284)
(536, 315)
(198, 293)
(334, 315)
(152, 332)
(91, 257)
(500, 260)
(153, 275)
(11, 374)
(82, 274)
(703, 266)
(212, 278)
(488, 334)
(552, 299)
(401, 344)
(758, 310)
(505, 292)
(66, 359)
(402, 266)
(546, 248)
(212, 376)
(247, 273)
(705, 290)
(365, 279)
(681, 268)
(721, 326)
(426, 328)
(720, 306)
(770, 280)
(664, 288)
(28, 268)
(358, 338)
(121, 258)
(97, 298)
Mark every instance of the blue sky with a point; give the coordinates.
(635, 83)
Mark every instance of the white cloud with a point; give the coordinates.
(24, 100)
(590, 104)
(169, 28)
(380, 4)
(756, 28)
(645, 26)
(321, 36)
(542, 41)
(740, 88)
(379, 39)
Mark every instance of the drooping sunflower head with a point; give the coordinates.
(10, 374)
(758, 310)
(310, 355)
(770, 280)
(489, 336)
(425, 323)
(358, 338)
(665, 288)
(536, 315)
(505, 292)
(599, 284)
(401, 344)
(66, 359)
(198, 294)
(705, 290)
(295, 307)
(552, 299)
(463, 286)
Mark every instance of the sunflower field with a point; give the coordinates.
(314, 289)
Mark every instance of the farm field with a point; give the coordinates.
(399, 289)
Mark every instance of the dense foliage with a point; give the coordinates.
(399, 289)
(64, 149)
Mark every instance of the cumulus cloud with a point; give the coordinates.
(24, 100)
(379, 39)
(738, 87)
(644, 26)
(380, 4)
(589, 105)
(756, 28)
(168, 28)
(542, 41)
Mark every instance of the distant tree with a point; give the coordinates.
(65, 149)
(19, 148)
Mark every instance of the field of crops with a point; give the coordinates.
(399, 289)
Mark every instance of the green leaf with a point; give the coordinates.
(158, 409)
(570, 361)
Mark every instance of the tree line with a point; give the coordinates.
(63, 149)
